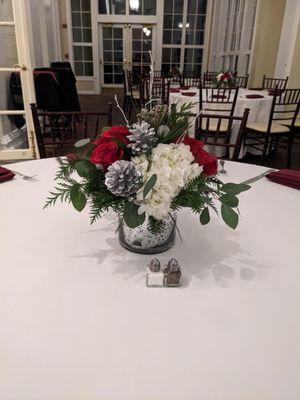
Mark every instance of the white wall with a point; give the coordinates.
(288, 38)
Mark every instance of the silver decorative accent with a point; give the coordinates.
(142, 240)
(143, 138)
(222, 170)
(155, 265)
(172, 273)
(122, 178)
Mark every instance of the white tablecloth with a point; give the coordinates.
(259, 111)
(78, 322)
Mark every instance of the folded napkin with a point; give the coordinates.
(191, 94)
(174, 90)
(272, 92)
(184, 87)
(218, 96)
(254, 96)
(5, 174)
(287, 177)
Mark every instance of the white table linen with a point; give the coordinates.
(78, 322)
(259, 112)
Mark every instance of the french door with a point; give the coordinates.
(124, 46)
(17, 138)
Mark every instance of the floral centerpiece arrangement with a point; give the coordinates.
(224, 79)
(145, 172)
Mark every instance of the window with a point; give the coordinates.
(82, 37)
(135, 7)
(142, 7)
(116, 7)
(183, 34)
(233, 30)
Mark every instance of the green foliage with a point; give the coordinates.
(149, 185)
(234, 188)
(77, 197)
(229, 200)
(230, 217)
(204, 216)
(85, 169)
(155, 225)
(131, 216)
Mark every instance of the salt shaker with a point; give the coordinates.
(155, 276)
(172, 274)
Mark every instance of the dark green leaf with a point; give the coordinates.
(230, 200)
(78, 198)
(82, 142)
(234, 188)
(229, 216)
(131, 216)
(149, 185)
(204, 216)
(85, 169)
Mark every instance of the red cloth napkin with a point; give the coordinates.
(287, 177)
(174, 90)
(5, 174)
(254, 96)
(191, 94)
(184, 87)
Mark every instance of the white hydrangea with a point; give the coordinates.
(141, 163)
(173, 165)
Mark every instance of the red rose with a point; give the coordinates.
(202, 157)
(117, 132)
(106, 152)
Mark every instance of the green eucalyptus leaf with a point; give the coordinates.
(230, 217)
(230, 200)
(78, 198)
(204, 216)
(149, 185)
(131, 216)
(82, 142)
(85, 169)
(234, 188)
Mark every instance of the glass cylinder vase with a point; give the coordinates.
(144, 240)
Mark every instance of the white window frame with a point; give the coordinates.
(23, 33)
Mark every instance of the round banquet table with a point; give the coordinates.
(259, 111)
(78, 322)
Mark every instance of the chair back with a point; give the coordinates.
(59, 129)
(272, 83)
(209, 77)
(219, 100)
(160, 90)
(190, 79)
(285, 107)
(219, 138)
(241, 81)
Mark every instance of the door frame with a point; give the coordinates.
(25, 54)
(127, 46)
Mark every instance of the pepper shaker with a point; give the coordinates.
(172, 274)
(155, 276)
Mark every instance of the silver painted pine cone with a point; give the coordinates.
(143, 138)
(122, 179)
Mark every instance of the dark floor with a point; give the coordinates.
(99, 103)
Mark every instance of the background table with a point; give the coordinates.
(259, 112)
(78, 322)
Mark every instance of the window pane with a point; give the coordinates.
(199, 38)
(192, 5)
(118, 79)
(75, 5)
(107, 44)
(178, 6)
(86, 19)
(86, 35)
(167, 21)
(79, 69)
(107, 33)
(118, 45)
(177, 21)
(76, 19)
(108, 69)
(118, 69)
(167, 37)
(176, 37)
(166, 55)
(88, 53)
(150, 7)
(78, 53)
(135, 7)
(118, 56)
(86, 5)
(112, 7)
(198, 56)
(108, 78)
(202, 6)
(168, 7)
(107, 55)
(88, 69)
(118, 33)
(77, 35)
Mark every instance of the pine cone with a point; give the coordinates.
(122, 179)
(143, 138)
